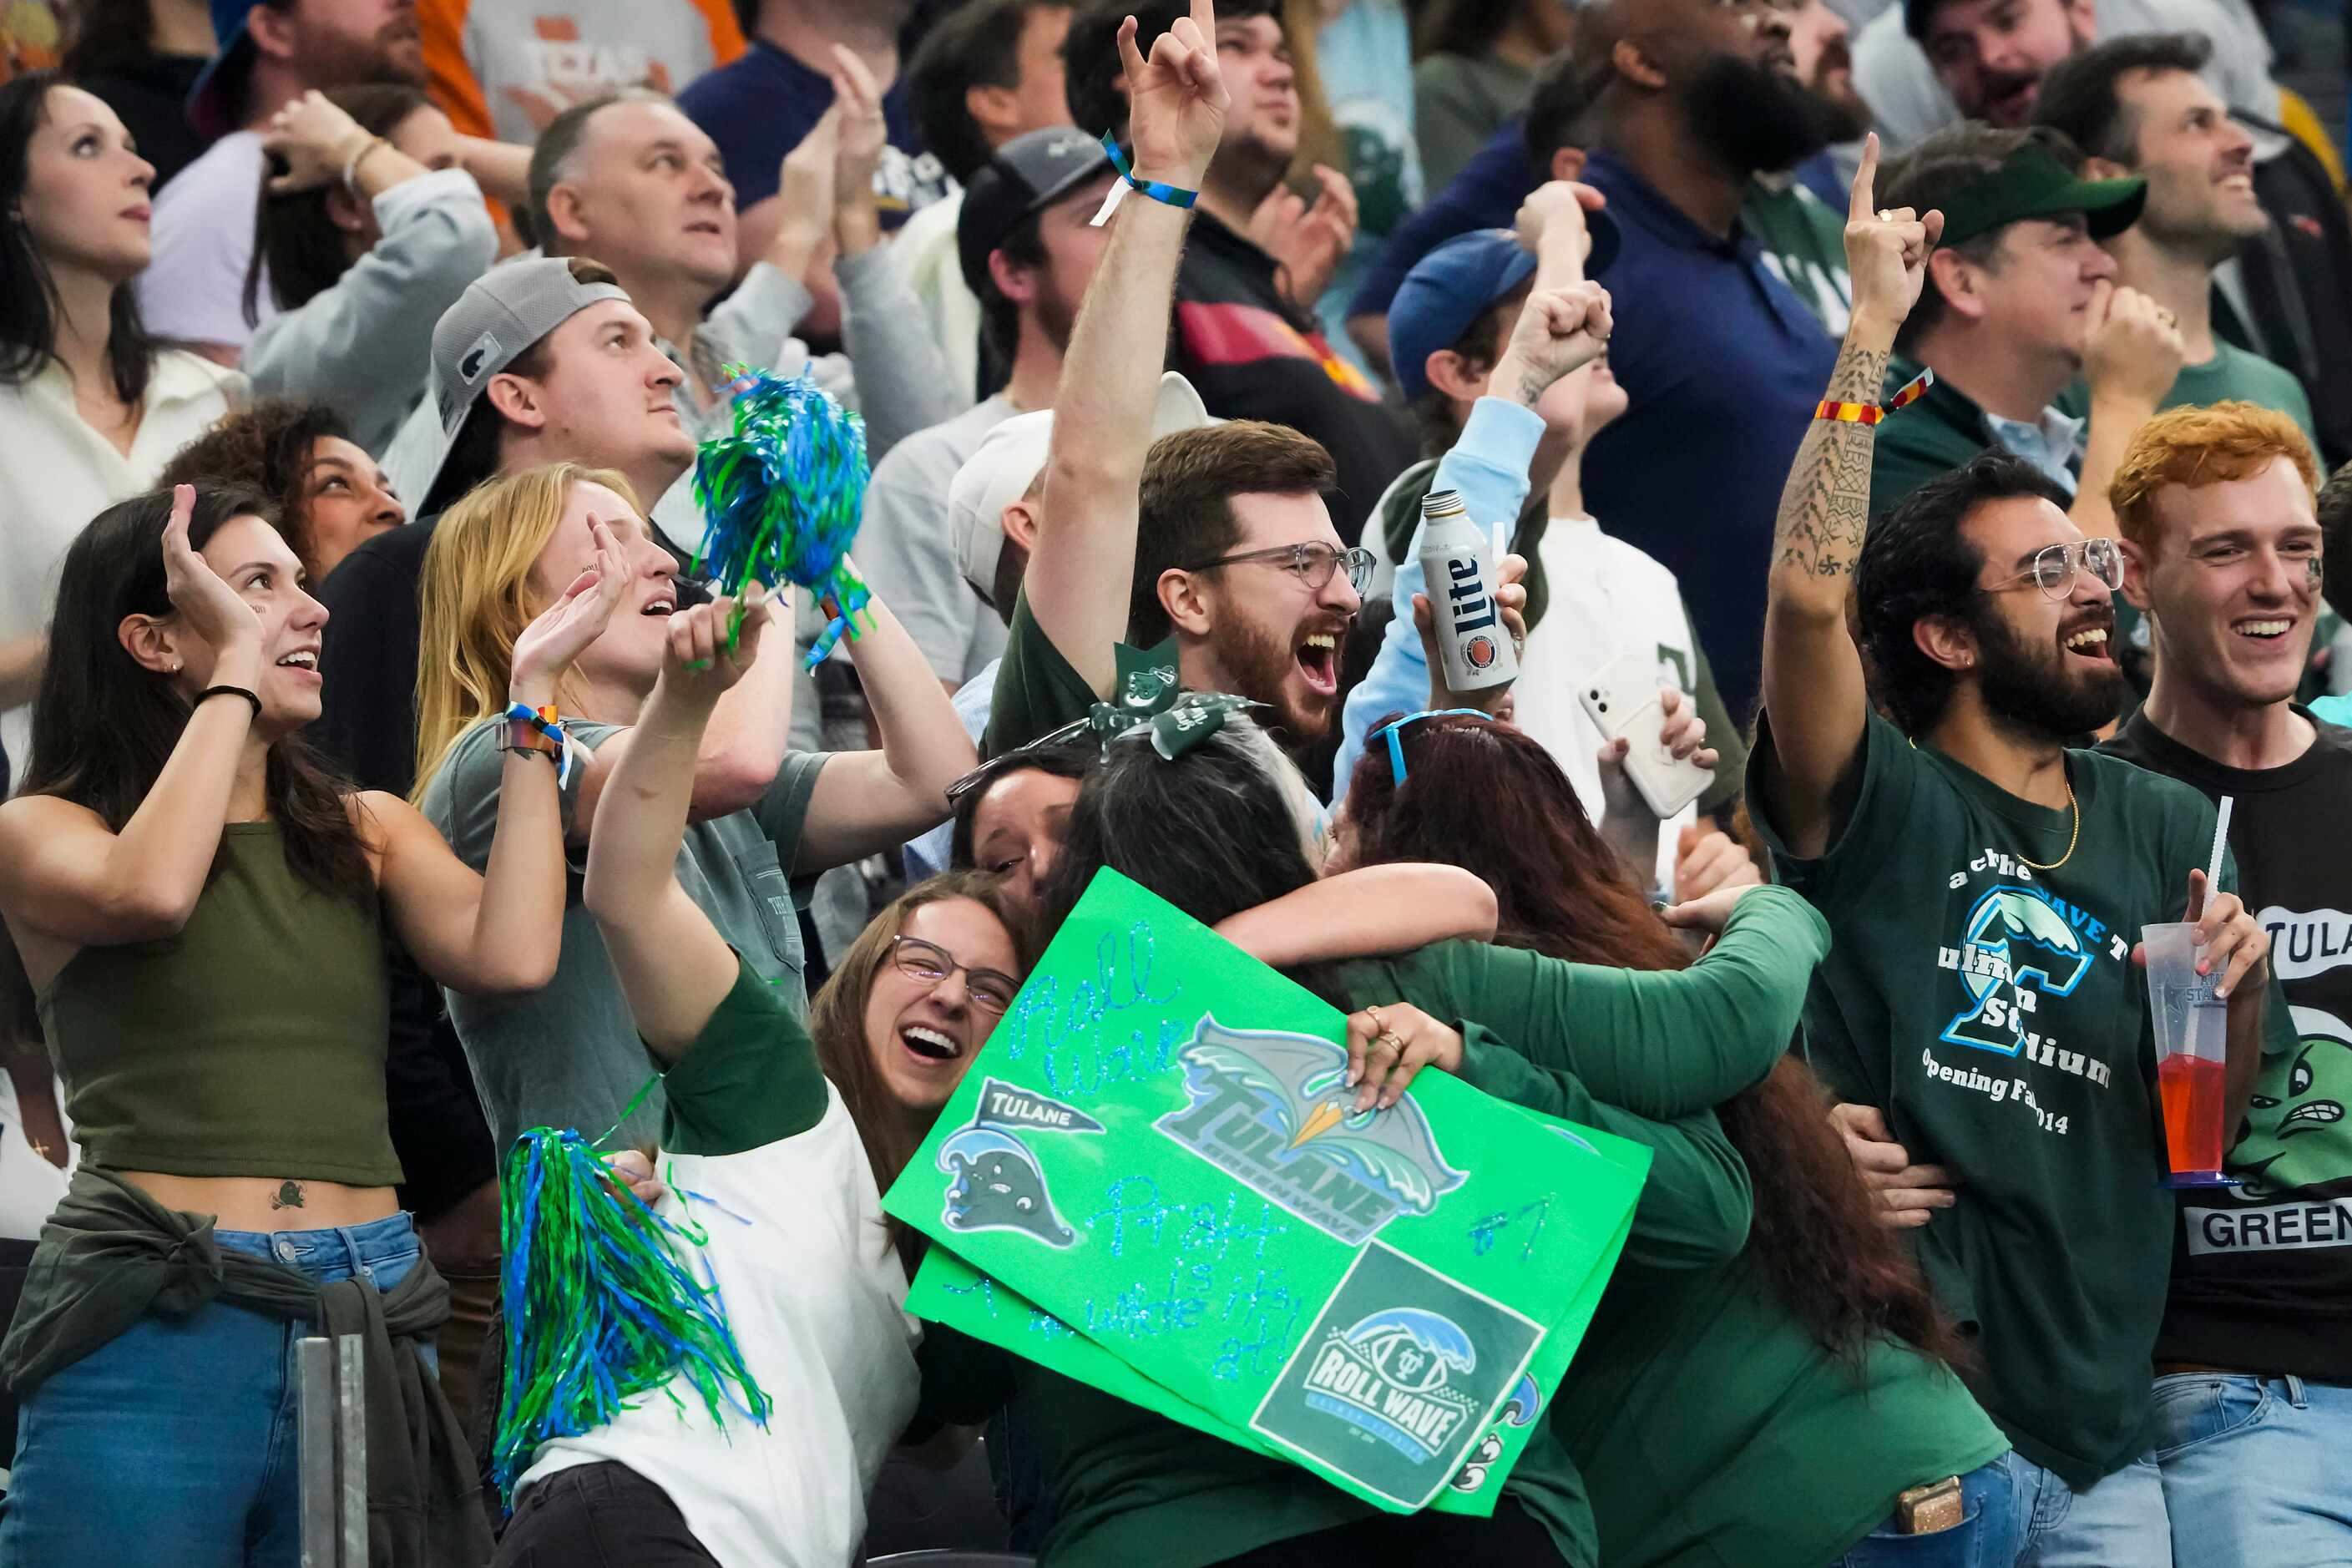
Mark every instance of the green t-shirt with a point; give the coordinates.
(1991, 1009)
(1038, 691)
(1803, 242)
(568, 1054)
(751, 1077)
(1697, 1395)
(1714, 1431)
(1130, 1486)
(2234, 372)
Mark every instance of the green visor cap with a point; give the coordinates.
(2034, 184)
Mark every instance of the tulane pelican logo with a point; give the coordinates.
(1273, 1109)
(2016, 949)
(999, 1186)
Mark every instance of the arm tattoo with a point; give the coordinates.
(288, 1196)
(1825, 507)
(1533, 384)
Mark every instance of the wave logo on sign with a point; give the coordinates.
(1389, 1376)
(1273, 1109)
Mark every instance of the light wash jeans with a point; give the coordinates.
(1991, 1530)
(2118, 1522)
(2257, 1470)
(174, 1442)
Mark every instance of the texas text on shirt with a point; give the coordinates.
(503, 69)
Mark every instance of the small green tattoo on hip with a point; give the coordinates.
(288, 1196)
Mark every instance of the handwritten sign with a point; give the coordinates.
(1153, 1180)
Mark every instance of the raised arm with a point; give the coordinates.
(903, 383)
(1813, 672)
(65, 877)
(742, 744)
(865, 802)
(501, 931)
(1083, 565)
(673, 965)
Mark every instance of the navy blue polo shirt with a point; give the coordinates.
(760, 106)
(1724, 367)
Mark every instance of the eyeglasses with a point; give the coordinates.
(1013, 761)
(1393, 729)
(1312, 563)
(2055, 567)
(991, 991)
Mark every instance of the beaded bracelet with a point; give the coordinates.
(1158, 190)
(1871, 413)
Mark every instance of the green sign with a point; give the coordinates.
(1153, 1180)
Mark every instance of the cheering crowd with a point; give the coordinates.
(1921, 415)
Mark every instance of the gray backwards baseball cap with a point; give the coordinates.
(498, 317)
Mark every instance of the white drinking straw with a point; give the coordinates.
(2221, 842)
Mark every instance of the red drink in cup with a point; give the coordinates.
(2192, 1026)
(2191, 1088)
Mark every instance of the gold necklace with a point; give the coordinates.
(2072, 838)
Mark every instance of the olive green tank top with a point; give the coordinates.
(251, 1044)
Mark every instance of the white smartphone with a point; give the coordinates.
(1625, 699)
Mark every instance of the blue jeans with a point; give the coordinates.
(177, 1441)
(2118, 1522)
(2254, 1470)
(1991, 1532)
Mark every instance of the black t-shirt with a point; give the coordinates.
(368, 658)
(1253, 354)
(2262, 1274)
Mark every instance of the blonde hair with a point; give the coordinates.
(475, 598)
(2197, 446)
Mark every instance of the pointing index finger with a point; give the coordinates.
(1864, 206)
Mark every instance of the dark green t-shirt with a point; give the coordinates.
(1993, 1010)
(1038, 691)
(1128, 1487)
(751, 1077)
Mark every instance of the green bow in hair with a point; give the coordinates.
(1178, 720)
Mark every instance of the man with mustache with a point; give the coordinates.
(268, 55)
(2222, 552)
(1986, 884)
(2022, 299)
(1722, 362)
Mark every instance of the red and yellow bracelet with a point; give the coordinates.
(1871, 413)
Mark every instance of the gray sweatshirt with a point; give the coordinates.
(358, 346)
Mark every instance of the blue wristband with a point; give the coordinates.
(1158, 190)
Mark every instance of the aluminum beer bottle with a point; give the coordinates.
(1457, 558)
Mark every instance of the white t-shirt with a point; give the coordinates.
(29, 1186)
(193, 288)
(815, 1297)
(56, 473)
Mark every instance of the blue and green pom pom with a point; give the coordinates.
(599, 1309)
(782, 496)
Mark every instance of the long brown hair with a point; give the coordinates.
(837, 1022)
(1560, 890)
